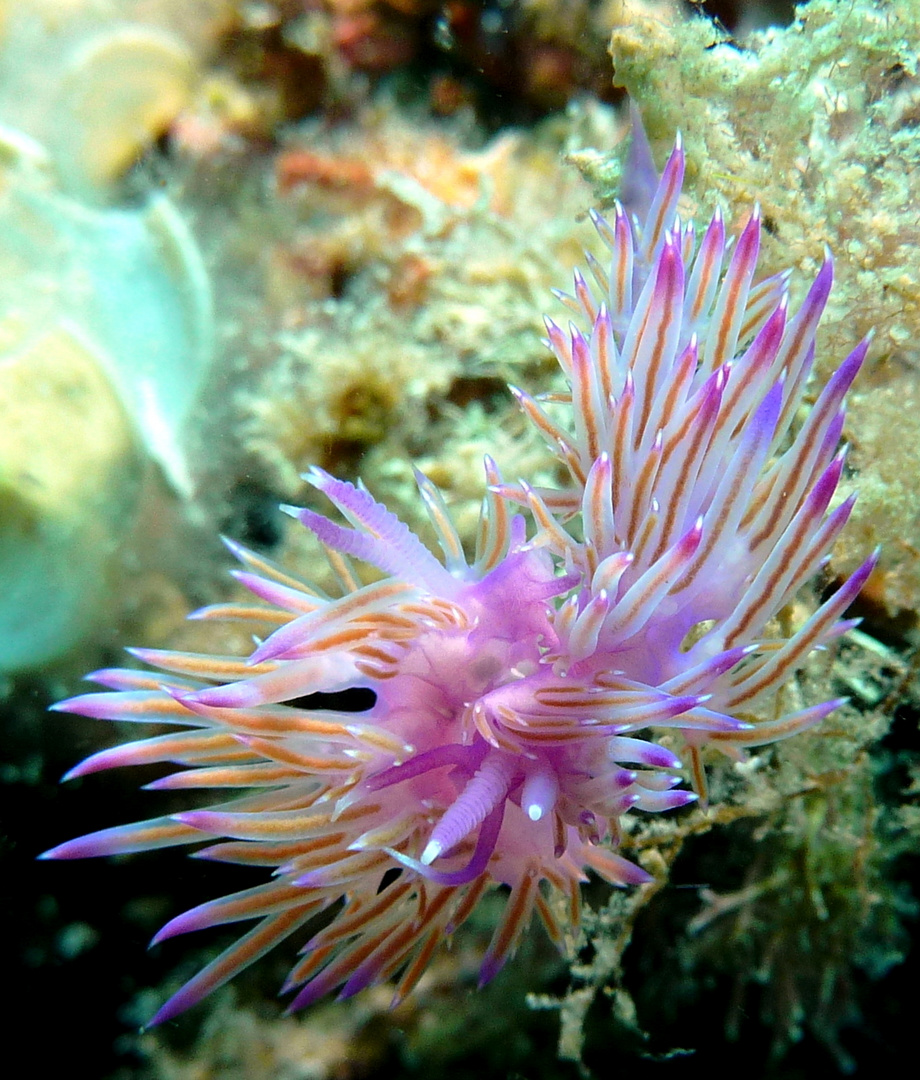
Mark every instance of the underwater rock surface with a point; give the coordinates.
(322, 192)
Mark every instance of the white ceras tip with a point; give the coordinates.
(432, 850)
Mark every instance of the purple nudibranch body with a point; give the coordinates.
(519, 696)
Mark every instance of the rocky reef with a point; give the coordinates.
(323, 233)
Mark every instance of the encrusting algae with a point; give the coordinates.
(818, 123)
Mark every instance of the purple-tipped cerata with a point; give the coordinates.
(517, 697)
